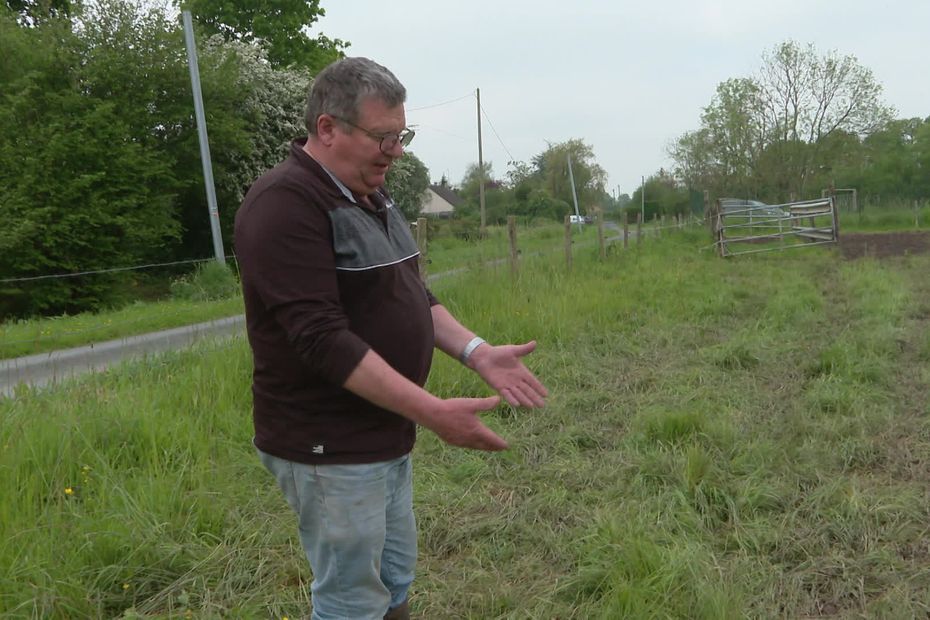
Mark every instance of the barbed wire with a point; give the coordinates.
(96, 271)
(646, 234)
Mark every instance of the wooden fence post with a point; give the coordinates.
(626, 230)
(512, 234)
(568, 242)
(709, 214)
(599, 214)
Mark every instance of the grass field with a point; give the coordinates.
(29, 337)
(19, 338)
(724, 439)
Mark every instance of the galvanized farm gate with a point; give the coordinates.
(747, 227)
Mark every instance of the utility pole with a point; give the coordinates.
(214, 213)
(642, 201)
(571, 177)
(480, 167)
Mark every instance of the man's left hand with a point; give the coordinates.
(501, 368)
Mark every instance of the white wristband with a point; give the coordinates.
(473, 344)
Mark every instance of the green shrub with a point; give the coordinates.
(209, 282)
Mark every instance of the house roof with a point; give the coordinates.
(447, 194)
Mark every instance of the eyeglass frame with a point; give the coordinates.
(404, 136)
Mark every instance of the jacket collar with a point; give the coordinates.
(379, 198)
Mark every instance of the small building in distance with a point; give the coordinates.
(440, 201)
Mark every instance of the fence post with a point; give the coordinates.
(626, 230)
(512, 234)
(421, 245)
(599, 214)
(568, 242)
(708, 213)
(719, 237)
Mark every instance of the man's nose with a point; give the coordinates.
(396, 151)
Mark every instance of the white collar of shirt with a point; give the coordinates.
(388, 203)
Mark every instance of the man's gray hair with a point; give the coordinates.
(340, 88)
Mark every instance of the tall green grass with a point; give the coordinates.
(725, 439)
(28, 337)
(887, 219)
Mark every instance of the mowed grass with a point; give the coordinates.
(724, 439)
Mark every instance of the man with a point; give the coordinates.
(342, 332)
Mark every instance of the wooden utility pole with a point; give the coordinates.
(599, 214)
(626, 230)
(708, 213)
(480, 168)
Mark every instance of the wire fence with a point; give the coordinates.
(45, 342)
(76, 274)
(54, 366)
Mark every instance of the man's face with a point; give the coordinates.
(357, 159)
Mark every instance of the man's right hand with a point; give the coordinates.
(455, 420)
(457, 423)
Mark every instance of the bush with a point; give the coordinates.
(209, 282)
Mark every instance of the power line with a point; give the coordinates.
(436, 105)
(443, 131)
(488, 118)
(114, 269)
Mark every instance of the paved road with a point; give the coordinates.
(45, 368)
(48, 368)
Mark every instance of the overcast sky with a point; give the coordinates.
(628, 78)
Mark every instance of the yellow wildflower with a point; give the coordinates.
(69, 491)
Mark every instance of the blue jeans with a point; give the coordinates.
(357, 528)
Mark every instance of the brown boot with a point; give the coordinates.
(401, 612)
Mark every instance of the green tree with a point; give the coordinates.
(772, 135)
(280, 26)
(79, 193)
(36, 12)
(590, 178)
(664, 196)
(99, 111)
(894, 161)
(407, 181)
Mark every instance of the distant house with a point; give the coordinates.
(440, 201)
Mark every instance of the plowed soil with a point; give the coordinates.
(883, 245)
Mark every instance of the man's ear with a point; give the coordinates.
(325, 129)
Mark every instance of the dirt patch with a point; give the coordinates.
(883, 245)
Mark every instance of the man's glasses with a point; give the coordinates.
(386, 141)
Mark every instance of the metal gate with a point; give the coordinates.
(749, 227)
